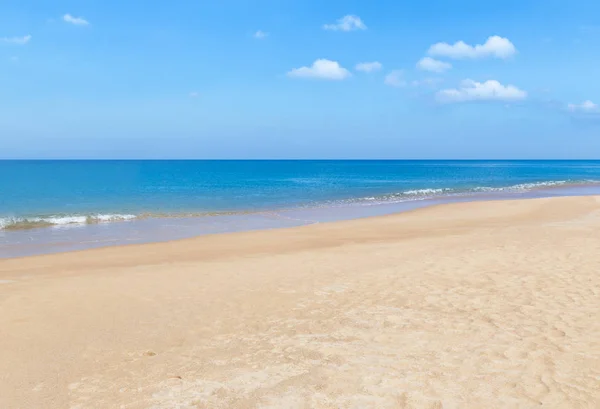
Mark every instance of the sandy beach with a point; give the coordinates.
(469, 305)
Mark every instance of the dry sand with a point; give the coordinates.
(473, 305)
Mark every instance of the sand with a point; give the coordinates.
(471, 305)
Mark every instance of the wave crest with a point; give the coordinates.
(24, 223)
(429, 193)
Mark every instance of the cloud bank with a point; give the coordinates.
(368, 66)
(346, 23)
(16, 40)
(78, 21)
(395, 79)
(490, 90)
(495, 46)
(432, 65)
(260, 35)
(321, 69)
(586, 107)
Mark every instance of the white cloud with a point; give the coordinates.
(490, 90)
(194, 94)
(323, 69)
(347, 23)
(260, 35)
(586, 107)
(395, 79)
(430, 64)
(368, 66)
(16, 40)
(495, 46)
(78, 21)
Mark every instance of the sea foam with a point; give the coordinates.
(21, 223)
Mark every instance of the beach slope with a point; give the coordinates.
(469, 305)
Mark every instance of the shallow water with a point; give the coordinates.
(46, 193)
(54, 206)
(72, 237)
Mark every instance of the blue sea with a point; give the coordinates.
(48, 206)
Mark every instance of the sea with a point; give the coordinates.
(54, 206)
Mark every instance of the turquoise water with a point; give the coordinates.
(76, 191)
(48, 206)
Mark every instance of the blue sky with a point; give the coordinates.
(283, 79)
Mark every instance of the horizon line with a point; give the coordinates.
(296, 159)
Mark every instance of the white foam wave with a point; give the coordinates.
(113, 217)
(522, 187)
(58, 221)
(420, 192)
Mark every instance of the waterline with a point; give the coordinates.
(70, 237)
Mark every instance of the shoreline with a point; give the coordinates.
(16, 243)
(222, 237)
(479, 304)
(57, 220)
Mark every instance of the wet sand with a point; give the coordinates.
(467, 305)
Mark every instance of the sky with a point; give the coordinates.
(229, 79)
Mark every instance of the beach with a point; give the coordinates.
(465, 305)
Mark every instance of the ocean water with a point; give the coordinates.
(43, 203)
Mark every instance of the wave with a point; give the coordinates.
(24, 223)
(429, 193)
(421, 192)
(525, 187)
(521, 187)
(57, 221)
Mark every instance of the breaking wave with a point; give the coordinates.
(57, 221)
(428, 193)
(23, 223)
